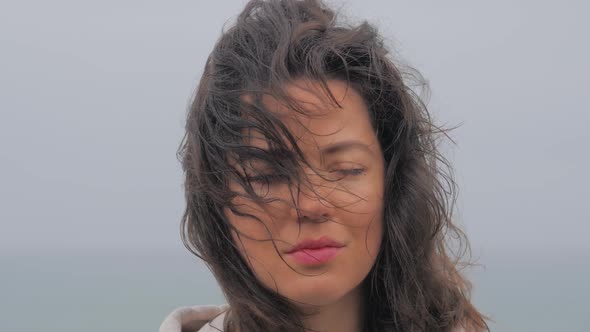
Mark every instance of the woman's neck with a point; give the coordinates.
(345, 315)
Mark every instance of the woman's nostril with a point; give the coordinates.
(310, 217)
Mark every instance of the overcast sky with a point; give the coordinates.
(93, 97)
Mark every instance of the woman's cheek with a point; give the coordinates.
(362, 195)
(253, 226)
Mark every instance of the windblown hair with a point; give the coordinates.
(415, 284)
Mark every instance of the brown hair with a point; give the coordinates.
(414, 285)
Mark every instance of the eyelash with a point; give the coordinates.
(269, 178)
(352, 171)
(275, 178)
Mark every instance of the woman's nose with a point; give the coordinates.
(312, 202)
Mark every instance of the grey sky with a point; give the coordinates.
(93, 98)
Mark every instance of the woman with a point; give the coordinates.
(315, 190)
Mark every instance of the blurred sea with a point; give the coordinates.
(134, 292)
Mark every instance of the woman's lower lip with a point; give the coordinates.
(315, 256)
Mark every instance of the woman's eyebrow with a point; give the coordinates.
(342, 146)
(330, 149)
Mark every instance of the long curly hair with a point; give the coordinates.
(415, 283)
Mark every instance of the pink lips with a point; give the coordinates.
(315, 252)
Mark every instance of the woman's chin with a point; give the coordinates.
(313, 293)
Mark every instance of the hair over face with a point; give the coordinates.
(415, 283)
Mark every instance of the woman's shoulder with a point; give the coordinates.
(200, 318)
(208, 318)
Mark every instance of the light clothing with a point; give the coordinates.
(201, 318)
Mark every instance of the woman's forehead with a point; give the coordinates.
(322, 121)
(309, 97)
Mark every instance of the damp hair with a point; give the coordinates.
(416, 283)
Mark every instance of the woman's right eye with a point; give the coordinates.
(268, 178)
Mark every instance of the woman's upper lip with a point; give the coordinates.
(321, 242)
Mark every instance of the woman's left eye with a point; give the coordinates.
(350, 171)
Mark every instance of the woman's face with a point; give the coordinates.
(341, 143)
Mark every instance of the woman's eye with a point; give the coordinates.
(268, 178)
(281, 178)
(350, 171)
